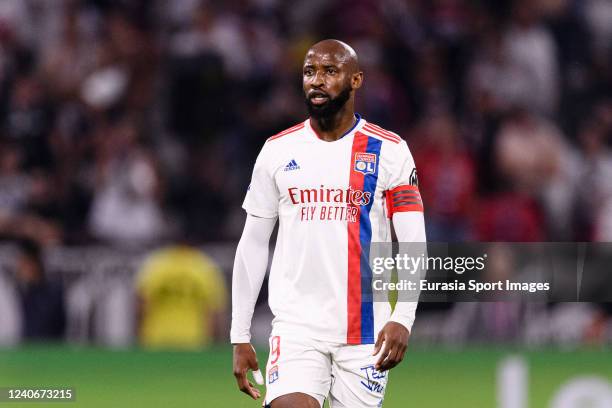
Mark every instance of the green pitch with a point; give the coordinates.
(426, 379)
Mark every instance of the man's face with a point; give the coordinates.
(327, 83)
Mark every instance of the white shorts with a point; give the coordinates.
(343, 373)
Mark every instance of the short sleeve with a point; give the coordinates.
(403, 186)
(262, 197)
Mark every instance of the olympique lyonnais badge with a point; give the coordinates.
(365, 163)
(273, 374)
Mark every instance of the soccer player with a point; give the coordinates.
(334, 182)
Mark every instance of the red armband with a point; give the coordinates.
(403, 198)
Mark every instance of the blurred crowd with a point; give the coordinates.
(136, 123)
(131, 122)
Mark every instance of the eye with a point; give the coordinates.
(308, 72)
(331, 71)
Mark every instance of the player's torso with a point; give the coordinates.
(316, 189)
(331, 206)
(329, 184)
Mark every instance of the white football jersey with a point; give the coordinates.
(332, 200)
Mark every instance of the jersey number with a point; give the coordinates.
(274, 349)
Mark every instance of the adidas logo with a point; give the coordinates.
(292, 165)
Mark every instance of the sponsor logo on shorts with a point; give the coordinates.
(273, 375)
(374, 380)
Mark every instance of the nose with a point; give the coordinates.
(317, 80)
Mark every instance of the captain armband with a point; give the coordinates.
(402, 199)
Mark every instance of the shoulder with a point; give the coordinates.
(373, 130)
(278, 144)
(394, 149)
(293, 130)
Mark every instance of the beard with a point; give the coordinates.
(329, 108)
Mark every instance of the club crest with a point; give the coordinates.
(365, 163)
(273, 375)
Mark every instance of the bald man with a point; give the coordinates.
(335, 183)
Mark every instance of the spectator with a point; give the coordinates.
(14, 182)
(496, 82)
(181, 297)
(213, 80)
(509, 216)
(530, 46)
(594, 198)
(446, 174)
(41, 299)
(24, 200)
(533, 159)
(126, 207)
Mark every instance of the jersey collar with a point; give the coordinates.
(358, 123)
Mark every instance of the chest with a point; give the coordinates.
(329, 173)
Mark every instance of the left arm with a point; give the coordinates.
(406, 209)
(409, 227)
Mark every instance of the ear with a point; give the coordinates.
(356, 80)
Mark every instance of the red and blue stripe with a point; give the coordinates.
(360, 323)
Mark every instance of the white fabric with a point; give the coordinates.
(343, 373)
(305, 182)
(249, 272)
(409, 227)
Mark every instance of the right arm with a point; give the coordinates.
(249, 271)
(261, 205)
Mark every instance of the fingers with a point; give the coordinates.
(253, 363)
(379, 342)
(395, 355)
(395, 338)
(398, 356)
(246, 386)
(252, 391)
(383, 356)
(245, 359)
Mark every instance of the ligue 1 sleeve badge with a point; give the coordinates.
(365, 163)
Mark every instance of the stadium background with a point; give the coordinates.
(130, 125)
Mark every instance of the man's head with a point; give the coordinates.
(329, 77)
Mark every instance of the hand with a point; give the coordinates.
(245, 359)
(395, 338)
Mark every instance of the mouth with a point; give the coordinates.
(318, 97)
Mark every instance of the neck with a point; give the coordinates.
(333, 127)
